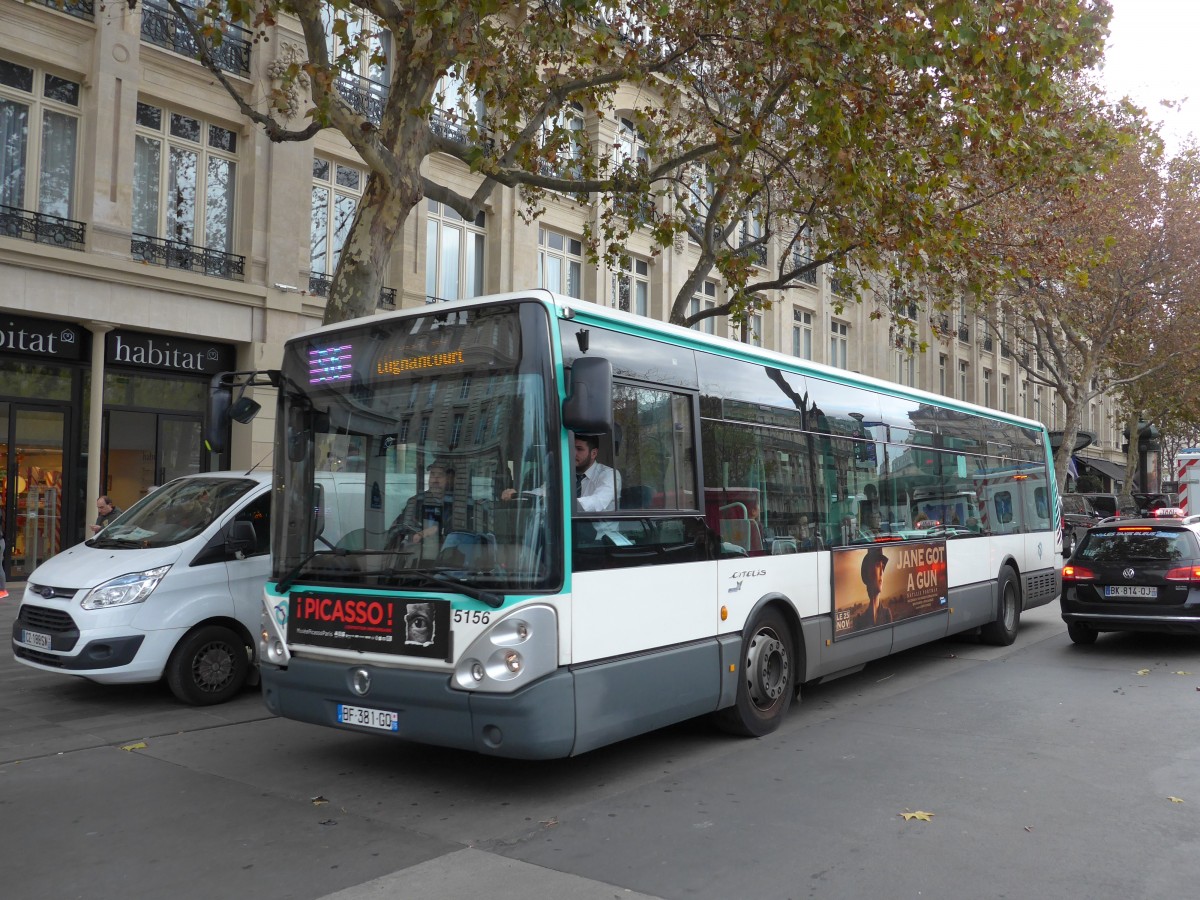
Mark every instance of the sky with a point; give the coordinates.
(1151, 56)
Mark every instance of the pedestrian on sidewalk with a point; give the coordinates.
(3, 583)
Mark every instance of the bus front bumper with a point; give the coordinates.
(537, 722)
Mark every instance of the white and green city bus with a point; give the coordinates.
(768, 526)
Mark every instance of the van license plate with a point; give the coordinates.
(36, 639)
(1129, 590)
(368, 718)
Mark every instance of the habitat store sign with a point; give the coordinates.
(167, 353)
(42, 338)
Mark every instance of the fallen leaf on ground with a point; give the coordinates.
(1181, 673)
(551, 822)
(319, 800)
(1175, 799)
(920, 815)
(1029, 828)
(140, 745)
(1142, 672)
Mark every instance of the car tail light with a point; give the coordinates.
(1077, 573)
(1190, 574)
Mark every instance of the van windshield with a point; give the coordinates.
(173, 513)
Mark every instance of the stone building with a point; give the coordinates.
(150, 236)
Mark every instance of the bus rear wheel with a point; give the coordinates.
(767, 679)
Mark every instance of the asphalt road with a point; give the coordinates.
(1047, 771)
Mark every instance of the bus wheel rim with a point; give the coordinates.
(767, 669)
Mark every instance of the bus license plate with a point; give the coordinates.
(36, 639)
(368, 718)
(1130, 590)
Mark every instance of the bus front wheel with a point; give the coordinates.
(767, 679)
(1003, 631)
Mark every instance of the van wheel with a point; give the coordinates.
(209, 666)
(767, 679)
(1003, 631)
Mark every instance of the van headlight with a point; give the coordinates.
(517, 649)
(124, 590)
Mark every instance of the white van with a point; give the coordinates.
(171, 588)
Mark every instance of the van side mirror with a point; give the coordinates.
(240, 539)
(588, 410)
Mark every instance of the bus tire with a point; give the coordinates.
(1081, 634)
(209, 666)
(1003, 631)
(767, 680)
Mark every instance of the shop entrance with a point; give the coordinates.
(146, 449)
(32, 488)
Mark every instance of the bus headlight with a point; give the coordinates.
(517, 649)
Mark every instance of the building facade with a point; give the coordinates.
(150, 236)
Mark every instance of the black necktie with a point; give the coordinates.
(578, 484)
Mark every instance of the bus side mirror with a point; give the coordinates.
(220, 398)
(588, 410)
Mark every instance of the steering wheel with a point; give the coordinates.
(399, 534)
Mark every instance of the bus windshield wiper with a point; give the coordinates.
(495, 601)
(286, 581)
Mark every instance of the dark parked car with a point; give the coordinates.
(1078, 516)
(1134, 575)
(1149, 502)
(1109, 505)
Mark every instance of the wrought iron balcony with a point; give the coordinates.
(178, 255)
(35, 226)
(964, 334)
(319, 284)
(364, 96)
(799, 260)
(80, 9)
(162, 27)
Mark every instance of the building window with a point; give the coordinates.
(987, 387)
(754, 330)
(453, 254)
(1004, 398)
(1037, 404)
(562, 137)
(459, 107)
(184, 173)
(336, 192)
(700, 191)
(942, 374)
(631, 287)
(39, 128)
(753, 238)
(629, 146)
(839, 344)
(802, 333)
(560, 263)
(906, 365)
(704, 300)
(962, 380)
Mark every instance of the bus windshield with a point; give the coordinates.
(418, 452)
